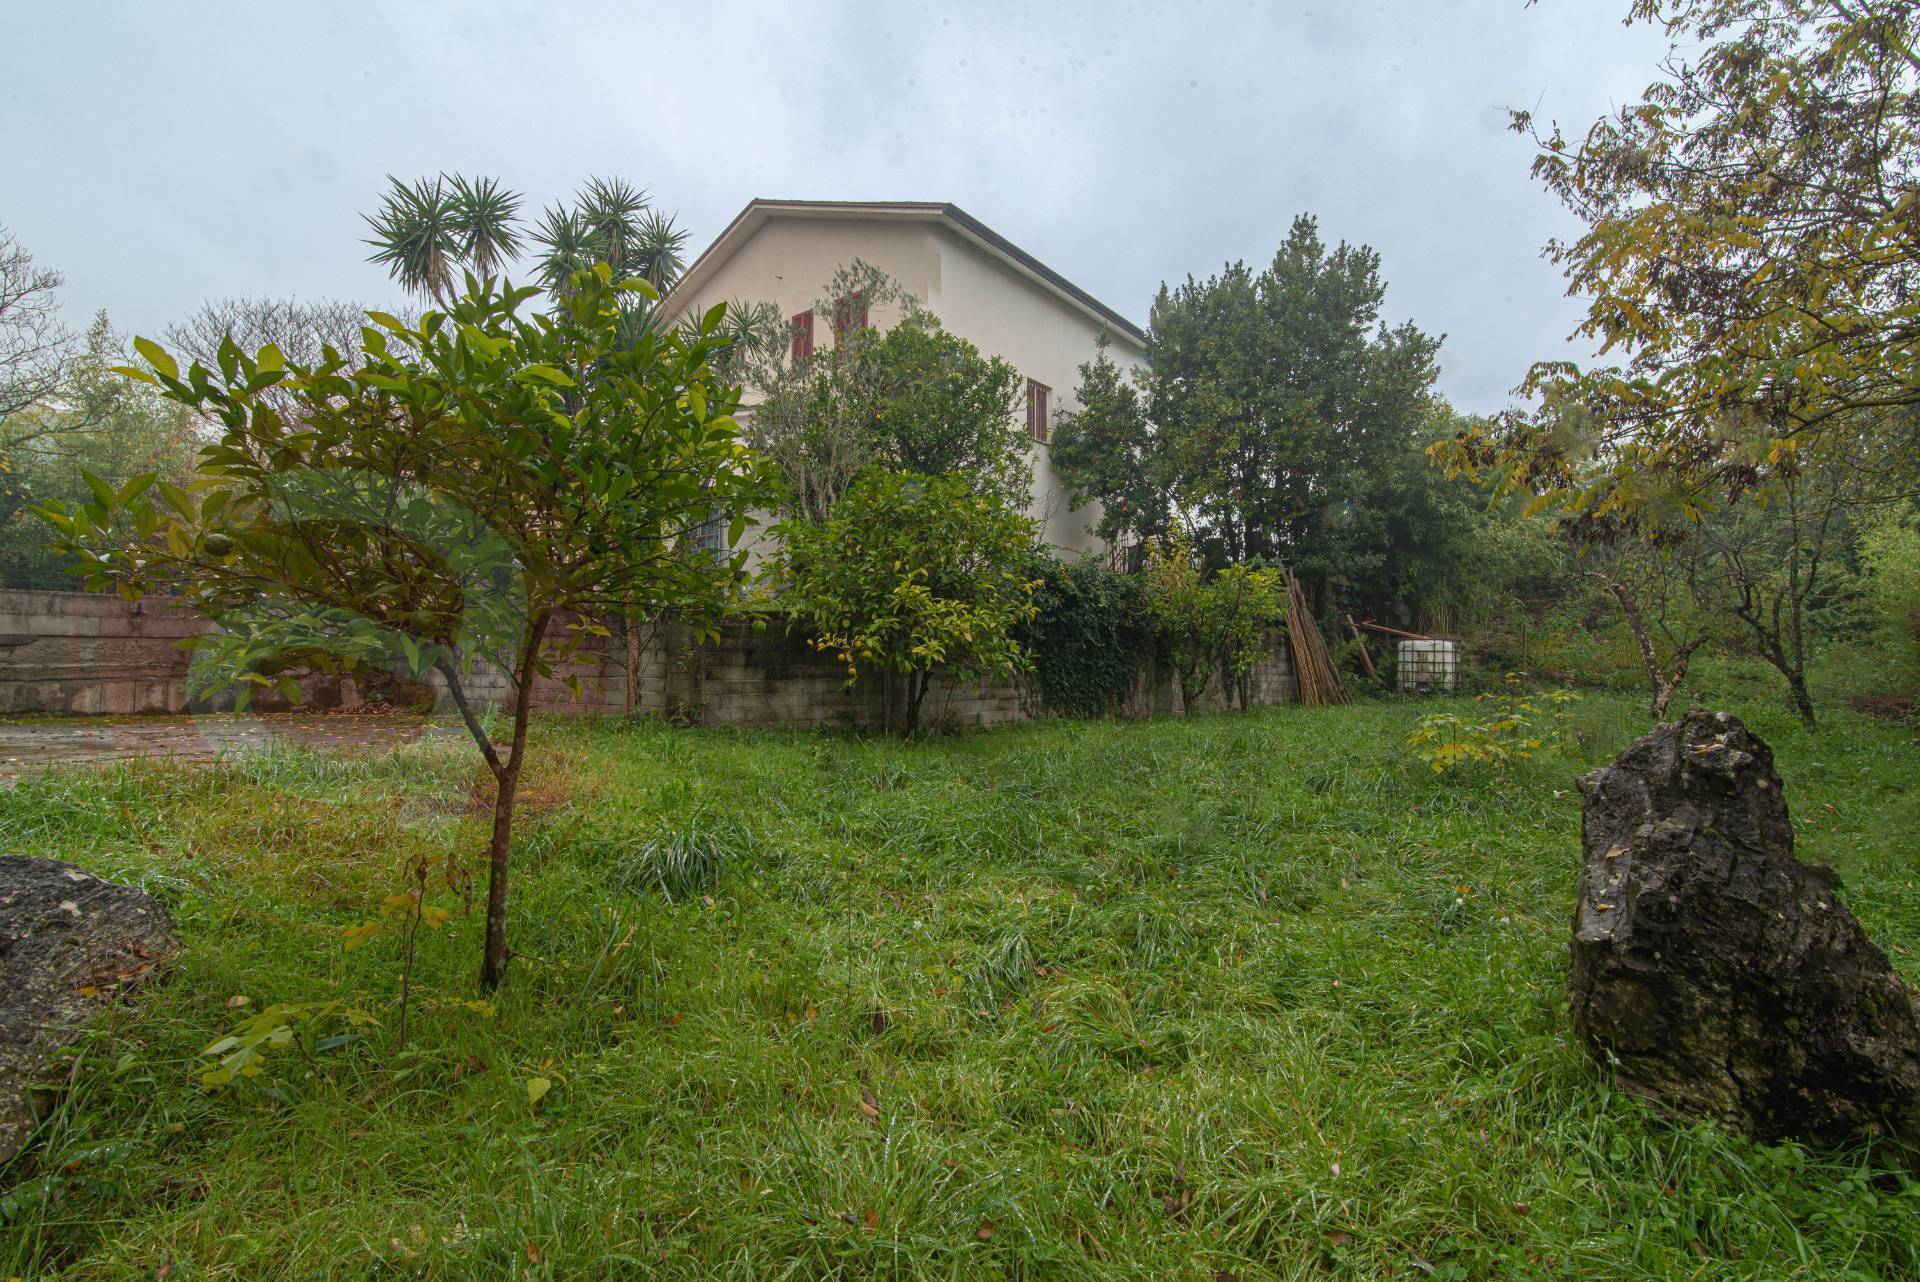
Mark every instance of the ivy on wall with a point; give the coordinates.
(1088, 640)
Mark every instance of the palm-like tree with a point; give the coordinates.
(657, 250)
(614, 211)
(428, 231)
(485, 216)
(417, 236)
(567, 245)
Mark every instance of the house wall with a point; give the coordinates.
(790, 260)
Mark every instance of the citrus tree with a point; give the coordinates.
(480, 486)
(909, 575)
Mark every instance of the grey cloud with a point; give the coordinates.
(162, 156)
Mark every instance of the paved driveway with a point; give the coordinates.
(40, 743)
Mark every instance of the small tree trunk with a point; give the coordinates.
(1664, 692)
(917, 683)
(493, 966)
(1802, 701)
(1661, 688)
(632, 700)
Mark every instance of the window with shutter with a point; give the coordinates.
(1037, 410)
(849, 313)
(803, 337)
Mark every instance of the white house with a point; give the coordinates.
(982, 287)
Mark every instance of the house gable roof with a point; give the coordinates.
(761, 209)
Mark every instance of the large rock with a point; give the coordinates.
(68, 943)
(1717, 973)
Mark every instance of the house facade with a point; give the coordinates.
(981, 286)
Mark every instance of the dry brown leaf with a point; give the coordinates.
(985, 1230)
(868, 1104)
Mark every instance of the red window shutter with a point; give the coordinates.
(1036, 410)
(803, 337)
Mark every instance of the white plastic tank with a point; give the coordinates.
(1427, 667)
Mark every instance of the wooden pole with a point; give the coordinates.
(1382, 628)
(1366, 660)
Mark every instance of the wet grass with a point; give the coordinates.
(1247, 996)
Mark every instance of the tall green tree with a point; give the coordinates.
(95, 423)
(480, 485)
(1274, 401)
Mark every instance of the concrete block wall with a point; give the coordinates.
(73, 652)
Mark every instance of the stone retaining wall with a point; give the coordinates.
(86, 652)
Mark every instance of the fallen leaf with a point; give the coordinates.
(236, 1002)
(879, 1021)
(868, 1104)
(985, 1230)
(537, 1087)
(534, 1254)
(1339, 1237)
(871, 1219)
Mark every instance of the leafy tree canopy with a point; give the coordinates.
(1753, 232)
(1275, 404)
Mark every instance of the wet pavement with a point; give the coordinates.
(40, 743)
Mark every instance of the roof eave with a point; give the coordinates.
(759, 210)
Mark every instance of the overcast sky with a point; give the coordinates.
(160, 155)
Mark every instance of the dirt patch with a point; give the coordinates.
(27, 746)
(1889, 707)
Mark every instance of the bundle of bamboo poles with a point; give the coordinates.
(1314, 676)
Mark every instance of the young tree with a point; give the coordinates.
(1771, 560)
(1107, 450)
(1211, 626)
(477, 486)
(1749, 260)
(1656, 587)
(912, 574)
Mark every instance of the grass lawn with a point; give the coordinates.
(1242, 997)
